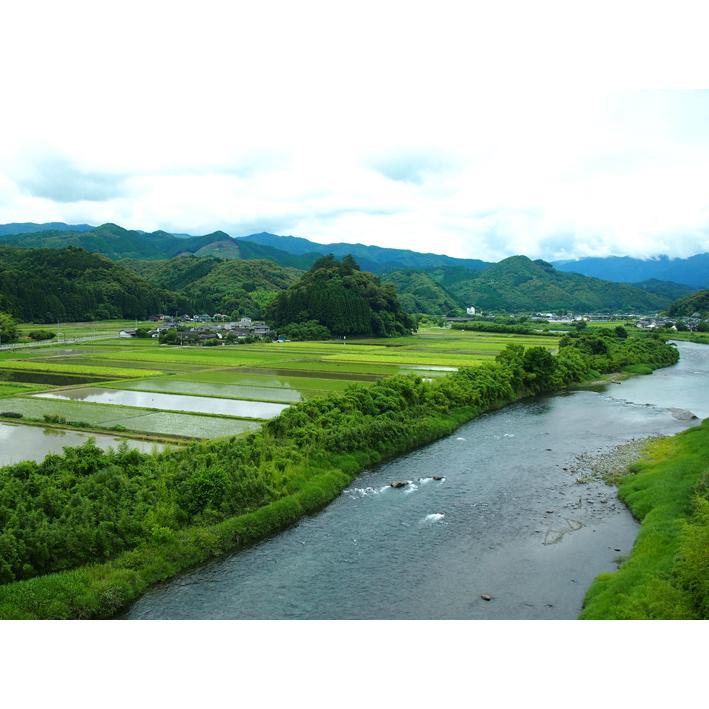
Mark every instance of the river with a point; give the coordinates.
(509, 520)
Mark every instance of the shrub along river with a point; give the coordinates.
(508, 520)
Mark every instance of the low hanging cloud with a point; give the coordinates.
(59, 180)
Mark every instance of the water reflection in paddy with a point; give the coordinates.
(263, 393)
(170, 402)
(19, 442)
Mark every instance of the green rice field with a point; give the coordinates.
(261, 372)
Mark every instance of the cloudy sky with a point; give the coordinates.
(414, 125)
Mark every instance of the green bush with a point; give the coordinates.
(39, 335)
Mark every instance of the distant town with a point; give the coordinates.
(201, 329)
(217, 329)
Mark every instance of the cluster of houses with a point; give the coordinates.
(640, 321)
(205, 327)
(690, 323)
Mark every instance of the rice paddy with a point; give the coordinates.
(202, 392)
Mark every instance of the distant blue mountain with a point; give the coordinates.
(32, 228)
(692, 271)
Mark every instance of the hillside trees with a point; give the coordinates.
(8, 328)
(47, 285)
(343, 299)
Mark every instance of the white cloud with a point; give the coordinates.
(413, 126)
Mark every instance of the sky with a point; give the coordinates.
(528, 128)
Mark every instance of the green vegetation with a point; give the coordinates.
(112, 372)
(608, 352)
(419, 293)
(10, 388)
(343, 299)
(488, 326)
(243, 276)
(93, 328)
(41, 335)
(667, 573)
(520, 284)
(86, 532)
(238, 288)
(46, 285)
(696, 303)
(304, 331)
(8, 328)
(115, 242)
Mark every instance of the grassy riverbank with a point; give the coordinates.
(86, 533)
(667, 573)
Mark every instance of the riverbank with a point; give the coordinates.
(303, 458)
(666, 575)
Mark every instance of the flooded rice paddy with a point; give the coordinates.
(19, 442)
(169, 402)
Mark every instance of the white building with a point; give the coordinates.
(470, 310)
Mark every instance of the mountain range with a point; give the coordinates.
(198, 268)
(115, 242)
(692, 271)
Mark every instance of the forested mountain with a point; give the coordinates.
(692, 271)
(172, 274)
(665, 289)
(114, 241)
(31, 227)
(370, 258)
(696, 303)
(209, 284)
(239, 288)
(419, 293)
(118, 243)
(194, 269)
(47, 285)
(347, 301)
(520, 284)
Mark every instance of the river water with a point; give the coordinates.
(509, 520)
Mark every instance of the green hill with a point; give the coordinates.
(209, 284)
(47, 285)
(419, 293)
(344, 299)
(118, 243)
(520, 284)
(695, 303)
(173, 274)
(239, 288)
(666, 289)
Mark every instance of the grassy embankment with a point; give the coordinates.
(666, 575)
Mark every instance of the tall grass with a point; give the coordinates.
(667, 573)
